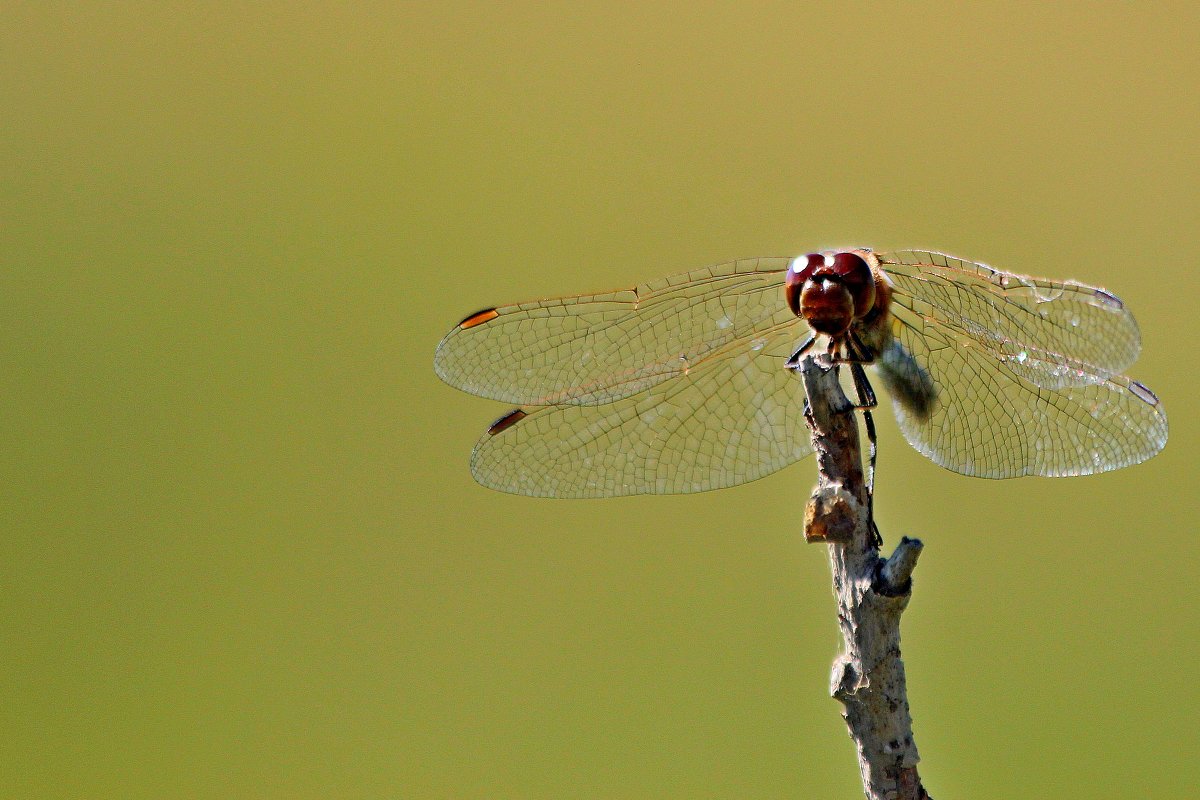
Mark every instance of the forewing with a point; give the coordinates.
(1059, 333)
(598, 348)
(732, 418)
(990, 420)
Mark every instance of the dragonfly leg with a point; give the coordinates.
(870, 425)
(794, 361)
(866, 394)
(866, 402)
(856, 351)
(856, 358)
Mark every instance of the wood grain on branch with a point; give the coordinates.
(872, 593)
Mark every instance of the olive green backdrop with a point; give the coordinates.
(240, 551)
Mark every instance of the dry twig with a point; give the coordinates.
(868, 676)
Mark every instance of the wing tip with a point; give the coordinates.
(507, 421)
(1142, 392)
(1108, 300)
(445, 355)
(478, 318)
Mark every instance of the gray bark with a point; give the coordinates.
(872, 593)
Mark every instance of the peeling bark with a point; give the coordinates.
(872, 593)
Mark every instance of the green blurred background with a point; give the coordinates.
(242, 553)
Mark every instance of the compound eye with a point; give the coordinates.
(855, 274)
(799, 271)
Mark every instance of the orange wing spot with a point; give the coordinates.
(479, 317)
(507, 421)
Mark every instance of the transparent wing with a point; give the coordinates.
(1067, 332)
(597, 348)
(992, 419)
(732, 418)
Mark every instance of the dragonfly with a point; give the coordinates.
(688, 383)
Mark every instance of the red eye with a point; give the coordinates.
(800, 270)
(856, 275)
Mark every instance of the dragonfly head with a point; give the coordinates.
(830, 290)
